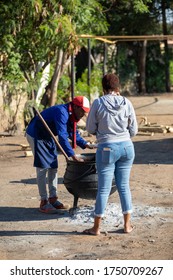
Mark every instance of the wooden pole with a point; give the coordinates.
(89, 62)
(72, 76)
(105, 59)
(72, 95)
(89, 68)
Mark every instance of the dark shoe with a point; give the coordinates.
(47, 208)
(57, 204)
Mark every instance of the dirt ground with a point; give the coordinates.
(25, 233)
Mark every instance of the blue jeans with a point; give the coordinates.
(114, 160)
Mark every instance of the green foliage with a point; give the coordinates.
(32, 31)
(82, 88)
(155, 69)
(63, 92)
(92, 21)
(13, 72)
(126, 65)
(141, 6)
(129, 17)
(171, 72)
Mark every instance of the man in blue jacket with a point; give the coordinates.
(62, 120)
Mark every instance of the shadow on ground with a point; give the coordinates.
(154, 151)
(37, 232)
(15, 214)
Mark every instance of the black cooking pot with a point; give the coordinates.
(80, 178)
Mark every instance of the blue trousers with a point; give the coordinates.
(42, 173)
(114, 160)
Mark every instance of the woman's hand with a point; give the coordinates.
(91, 146)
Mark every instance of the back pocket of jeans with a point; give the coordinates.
(130, 153)
(107, 155)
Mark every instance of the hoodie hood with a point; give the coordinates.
(113, 103)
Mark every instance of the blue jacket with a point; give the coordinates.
(58, 119)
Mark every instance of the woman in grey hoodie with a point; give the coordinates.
(112, 119)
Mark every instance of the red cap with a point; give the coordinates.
(82, 102)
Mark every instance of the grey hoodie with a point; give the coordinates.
(112, 118)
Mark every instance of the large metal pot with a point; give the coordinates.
(80, 178)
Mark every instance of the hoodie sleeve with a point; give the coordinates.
(132, 121)
(91, 124)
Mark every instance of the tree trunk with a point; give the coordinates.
(142, 67)
(49, 97)
(164, 24)
(56, 77)
(46, 96)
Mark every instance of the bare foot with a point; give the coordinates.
(128, 229)
(91, 231)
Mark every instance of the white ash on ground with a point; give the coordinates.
(113, 215)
